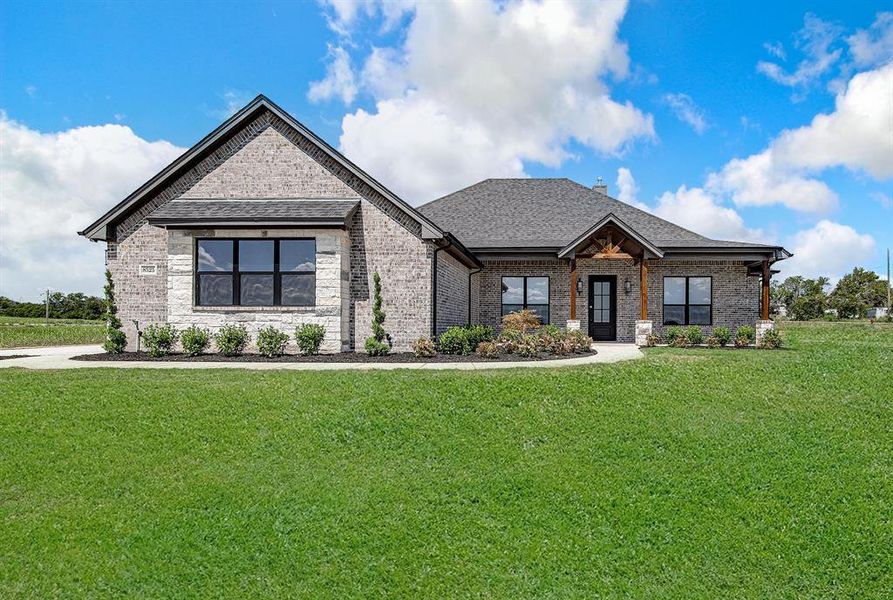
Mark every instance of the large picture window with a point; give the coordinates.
(688, 301)
(255, 272)
(526, 292)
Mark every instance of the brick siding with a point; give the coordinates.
(452, 292)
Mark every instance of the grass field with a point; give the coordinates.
(688, 474)
(24, 332)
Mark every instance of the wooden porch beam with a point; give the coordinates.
(764, 304)
(643, 286)
(573, 283)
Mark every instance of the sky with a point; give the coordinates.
(756, 121)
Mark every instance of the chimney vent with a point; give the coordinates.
(600, 186)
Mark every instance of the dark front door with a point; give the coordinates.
(603, 307)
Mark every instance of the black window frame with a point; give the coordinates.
(236, 273)
(524, 305)
(685, 307)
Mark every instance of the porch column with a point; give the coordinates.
(764, 309)
(643, 286)
(572, 322)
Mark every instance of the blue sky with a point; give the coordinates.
(651, 96)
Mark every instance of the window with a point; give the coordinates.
(688, 301)
(526, 292)
(255, 272)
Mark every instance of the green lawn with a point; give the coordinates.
(689, 474)
(24, 332)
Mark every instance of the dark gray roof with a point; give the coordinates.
(291, 210)
(548, 213)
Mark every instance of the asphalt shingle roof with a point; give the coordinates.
(547, 213)
(279, 210)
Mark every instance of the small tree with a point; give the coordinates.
(115, 340)
(377, 345)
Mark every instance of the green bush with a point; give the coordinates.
(159, 339)
(195, 340)
(376, 348)
(455, 340)
(379, 343)
(271, 342)
(771, 339)
(694, 334)
(232, 339)
(672, 333)
(680, 341)
(424, 348)
(744, 336)
(723, 335)
(478, 334)
(309, 338)
(488, 350)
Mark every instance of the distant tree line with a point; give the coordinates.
(62, 306)
(805, 299)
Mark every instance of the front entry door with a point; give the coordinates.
(603, 307)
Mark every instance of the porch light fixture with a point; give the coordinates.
(627, 286)
(579, 285)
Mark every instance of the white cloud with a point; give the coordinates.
(873, 46)
(776, 50)
(698, 210)
(53, 185)
(815, 40)
(339, 81)
(828, 249)
(516, 81)
(628, 190)
(233, 100)
(687, 111)
(31, 90)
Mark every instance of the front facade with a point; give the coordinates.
(262, 223)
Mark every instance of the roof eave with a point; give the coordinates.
(610, 218)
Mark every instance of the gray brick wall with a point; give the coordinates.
(452, 292)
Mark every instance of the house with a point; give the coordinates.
(263, 223)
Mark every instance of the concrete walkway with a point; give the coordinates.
(59, 357)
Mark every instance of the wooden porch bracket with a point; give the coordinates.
(764, 304)
(643, 286)
(573, 282)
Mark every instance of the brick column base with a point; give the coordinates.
(643, 330)
(573, 325)
(761, 328)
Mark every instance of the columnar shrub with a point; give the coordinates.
(521, 321)
(159, 339)
(115, 340)
(309, 338)
(694, 334)
(195, 340)
(744, 336)
(377, 345)
(271, 342)
(771, 339)
(487, 350)
(722, 335)
(424, 347)
(232, 339)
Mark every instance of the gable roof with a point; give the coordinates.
(97, 230)
(610, 219)
(552, 213)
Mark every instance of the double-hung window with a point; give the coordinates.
(255, 272)
(526, 292)
(688, 301)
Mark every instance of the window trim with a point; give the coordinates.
(236, 274)
(687, 304)
(524, 303)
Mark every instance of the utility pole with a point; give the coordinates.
(889, 283)
(48, 307)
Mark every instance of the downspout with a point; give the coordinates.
(434, 287)
(470, 273)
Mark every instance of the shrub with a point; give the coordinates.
(160, 339)
(680, 341)
(232, 339)
(694, 334)
(309, 338)
(771, 339)
(722, 335)
(527, 346)
(455, 340)
(581, 342)
(115, 339)
(488, 350)
(673, 333)
(271, 342)
(521, 321)
(195, 340)
(379, 343)
(478, 334)
(713, 342)
(744, 336)
(424, 347)
(652, 340)
(508, 341)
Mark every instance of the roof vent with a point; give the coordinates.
(600, 186)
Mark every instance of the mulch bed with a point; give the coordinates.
(343, 357)
(11, 356)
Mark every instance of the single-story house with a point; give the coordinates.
(264, 223)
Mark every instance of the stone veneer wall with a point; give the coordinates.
(735, 295)
(268, 159)
(452, 292)
(332, 247)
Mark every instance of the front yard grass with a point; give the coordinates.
(688, 474)
(25, 332)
